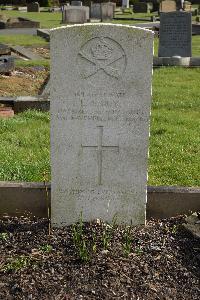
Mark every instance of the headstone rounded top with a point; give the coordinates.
(99, 25)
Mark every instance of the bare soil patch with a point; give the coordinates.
(42, 51)
(163, 263)
(23, 81)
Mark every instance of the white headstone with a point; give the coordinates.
(125, 3)
(82, 8)
(107, 11)
(74, 15)
(76, 3)
(100, 111)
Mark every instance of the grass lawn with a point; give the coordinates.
(23, 40)
(29, 40)
(46, 19)
(52, 20)
(174, 143)
(175, 126)
(24, 147)
(32, 63)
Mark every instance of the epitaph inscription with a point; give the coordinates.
(175, 34)
(100, 110)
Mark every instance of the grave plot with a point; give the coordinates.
(24, 81)
(24, 67)
(8, 23)
(117, 261)
(100, 113)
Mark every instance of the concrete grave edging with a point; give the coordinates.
(176, 61)
(19, 198)
(23, 103)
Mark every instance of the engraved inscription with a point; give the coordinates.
(175, 34)
(100, 148)
(101, 54)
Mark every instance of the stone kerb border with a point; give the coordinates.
(176, 61)
(162, 201)
(23, 103)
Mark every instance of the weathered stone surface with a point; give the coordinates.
(175, 34)
(125, 3)
(95, 11)
(6, 64)
(82, 8)
(74, 16)
(27, 53)
(5, 50)
(167, 6)
(6, 23)
(100, 110)
(107, 11)
(187, 6)
(33, 7)
(193, 224)
(142, 7)
(76, 3)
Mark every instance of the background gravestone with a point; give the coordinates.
(167, 6)
(7, 64)
(84, 8)
(5, 50)
(187, 6)
(142, 7)
(125, 3)
(33, 7)
(175, 34)
(76, 3)
(74, 16)
(100, 115)
(107, 11)
(95, 11)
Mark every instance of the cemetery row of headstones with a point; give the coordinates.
(81, 14)
(138, 7)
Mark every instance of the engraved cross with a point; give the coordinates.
(100, 148)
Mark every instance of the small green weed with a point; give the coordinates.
(3, 236)
(138, 251)
(175, 229)
(127, 241)
(94, 242)
(106, 236)
(46, 248)
(108, 230)
(17, 264)
(80, 241)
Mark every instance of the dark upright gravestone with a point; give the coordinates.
(142, 7)
(5, 50)
(7, 64)
(95, 10)
(175, 34)
(76, 3)
(33, 7)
